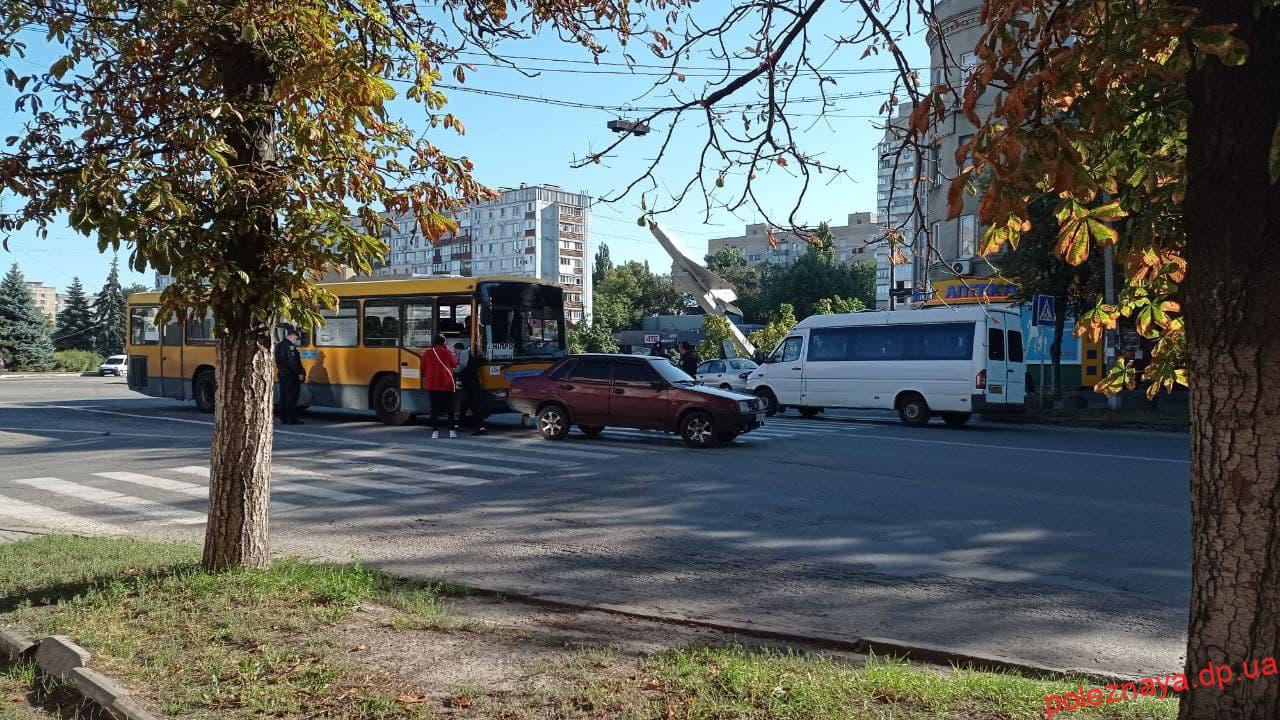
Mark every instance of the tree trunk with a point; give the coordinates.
(240, 457)
(1232, 216)
(1055, 350)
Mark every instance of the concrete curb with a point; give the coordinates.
(34, 376)
(917, 652)
(59, 658)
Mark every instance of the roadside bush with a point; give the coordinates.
(76, 361)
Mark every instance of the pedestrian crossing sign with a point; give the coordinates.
(1042, 313)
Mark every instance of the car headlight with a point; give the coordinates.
(746, 405)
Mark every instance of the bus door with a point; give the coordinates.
(1015, 368)
(382, 324)
(997, 363)
(417, 323)
(172, 381)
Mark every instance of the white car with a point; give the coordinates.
(729, 374)
(117, 365)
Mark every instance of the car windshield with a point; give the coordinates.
(672, 373)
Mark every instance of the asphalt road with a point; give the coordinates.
(1055, 546)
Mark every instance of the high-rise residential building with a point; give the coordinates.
(47, 298)
(895, 205)
(534, 230)
(954, 242)
(855, 241)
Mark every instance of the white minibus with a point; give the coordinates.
(949, 361)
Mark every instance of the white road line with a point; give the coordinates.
(285, 486)
(39, 516)
(439, 463)
(177, 486)
(114, 500)
(104, 433)
(383, 485)
(571, 448)
(397, 471)
(165, 418)
(1016, 449)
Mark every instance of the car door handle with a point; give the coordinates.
(795, 368)
(619, 391)
(567, 387)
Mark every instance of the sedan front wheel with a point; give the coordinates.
(698, 430)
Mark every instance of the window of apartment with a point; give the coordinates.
(564, 262)
(502, 212)
(968, 235)
(936, 232)
(968, 64)
(577, 262)
(575, 314)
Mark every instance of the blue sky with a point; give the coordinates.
(513, 141)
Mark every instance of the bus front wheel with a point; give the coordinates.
(205, 389)
(386, 401)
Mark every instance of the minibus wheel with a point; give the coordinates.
(913, 411)
(770, 401)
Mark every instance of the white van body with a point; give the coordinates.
(958, 360)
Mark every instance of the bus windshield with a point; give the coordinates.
(525, 321)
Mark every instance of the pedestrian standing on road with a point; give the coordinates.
(688, 360)
(472, 392)
(289, 366)
(436, 369)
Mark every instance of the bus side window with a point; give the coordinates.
(454, 320)
(381, 323)
(419, 317)
(142, 326)
(173, 332)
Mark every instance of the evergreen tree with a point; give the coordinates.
(76, 325)
(603, 264)
(109, 313)
(24, 330)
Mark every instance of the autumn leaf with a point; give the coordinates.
(411, 699)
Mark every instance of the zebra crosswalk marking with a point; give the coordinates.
(433, 477)
(115, 500)
(440, 463)
(286, 486)
(177, 486)
(39, 516)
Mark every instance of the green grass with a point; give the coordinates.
(247, 644)
(737, 682)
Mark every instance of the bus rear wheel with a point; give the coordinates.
(386, 401)
(205, 389)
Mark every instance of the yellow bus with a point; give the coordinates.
(365, 355)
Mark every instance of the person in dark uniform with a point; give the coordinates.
(289, 365)
(468, 374)
(688, 360)
(658, 350)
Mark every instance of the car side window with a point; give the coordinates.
(703, 369)
(717, 366)
(634, 374)
(590, 370)
(791, 349)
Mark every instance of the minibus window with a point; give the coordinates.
(995, 344)
(1015, 346)
(791, 349)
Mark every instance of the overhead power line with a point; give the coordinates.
(684, 69)
(649, 108)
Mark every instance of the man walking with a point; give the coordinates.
(472, 393)
(688, 360)
(289, 365)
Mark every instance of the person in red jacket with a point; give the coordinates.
(437, 379)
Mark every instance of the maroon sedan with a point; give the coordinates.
(594, 391)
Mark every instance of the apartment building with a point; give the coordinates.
(539, 231)
(896, 170)
(954, 242)
(47, 298)
(855, 241)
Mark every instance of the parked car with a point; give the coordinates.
(728, 374)
(117, 365)
(598, 390)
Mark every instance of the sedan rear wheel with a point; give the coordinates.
(698, 429)
(553, 422)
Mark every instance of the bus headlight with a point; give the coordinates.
(500, 393)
